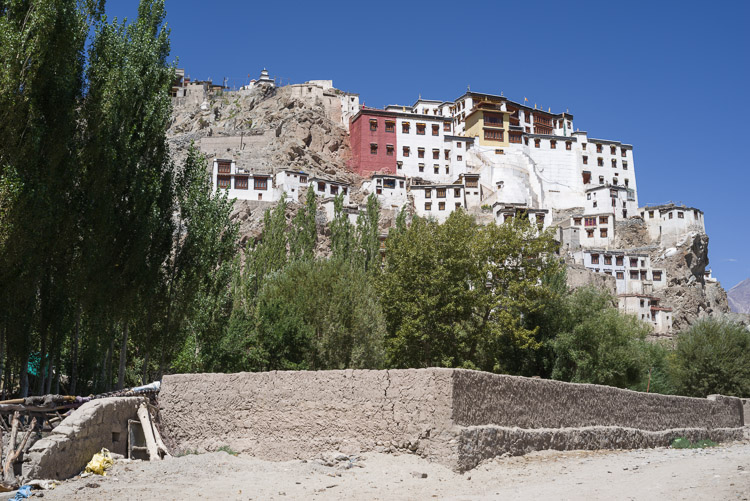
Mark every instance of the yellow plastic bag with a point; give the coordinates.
(100, 463)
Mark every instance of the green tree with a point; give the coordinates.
(304, 234)
(712, 356)
(428, 291)
(368, 235)
(199, 270)
(319, 315)
(600, 345)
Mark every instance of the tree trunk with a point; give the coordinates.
(123, 358)
(3, 381)
(144, 377)
(110, 354)
(74, 355)
(24, 376)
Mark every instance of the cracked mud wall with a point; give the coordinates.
(451, 416)
(291, 415)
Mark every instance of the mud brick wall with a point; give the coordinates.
(455, 417)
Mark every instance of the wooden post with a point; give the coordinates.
(148, 433)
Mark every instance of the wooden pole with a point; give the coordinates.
(148, 433)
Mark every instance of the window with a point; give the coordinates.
(441, 192)
(435, 130)
(406, 151)
(634, 276)
(537, 143)
(428, 193)
(650, 214)
(494, 135)
(456, 192)
(400, 184)
(240, 183)
(224, 181)
(458, 205)
(373, 148)
(623, 154)
(595, 204)
(603, 219)
(459, 158)
(585, 160)
(603, 232)
(373, 125)
(670, 215)
(657, 276)
(421, 167)
(302, 179)
(446, 126)
(601, 179)
(644, 275)
(420, 152)
(589, 233)
(420, 129)
(633, 262)
(600, 161)
(379, 190)
(614, 163)
(577, 221)
(583, 146)
(619, 260)
(499, 152)
(594, 258)
(526, 140)
(620, 275)
(334, 189)
(472, 182)
(458, 144)
(390, 126)
(447, 170)
(260, 196)
(321, 186)
(590, 221)
(681, 215)
(441, 206)
(405, 127)
(428, 206)
(260, 183)
(608, 260)
(568, 145)
(627, 181)
(436, 169)
(613, 150)
(389, 150)
(598, 148)
(399, 165)
(614, 202)
(436, 154)
(225, 166)
(447, 154)
(624, 165)
(553, 144)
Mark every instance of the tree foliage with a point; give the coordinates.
(713, 356)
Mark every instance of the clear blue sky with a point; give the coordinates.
(671, 78)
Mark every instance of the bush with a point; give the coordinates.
(684, 443)
(713, 356)
(603, 346)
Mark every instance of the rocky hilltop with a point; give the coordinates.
(739, 297)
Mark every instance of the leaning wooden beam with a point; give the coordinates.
(163, 452)
(148, 433)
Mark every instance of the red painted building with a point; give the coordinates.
(372, 135)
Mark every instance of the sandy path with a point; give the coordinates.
(717, 473)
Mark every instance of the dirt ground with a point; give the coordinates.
(716, 473)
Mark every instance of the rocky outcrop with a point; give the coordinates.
(687, 292)
(288, 131)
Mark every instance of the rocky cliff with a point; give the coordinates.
(688, 291)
